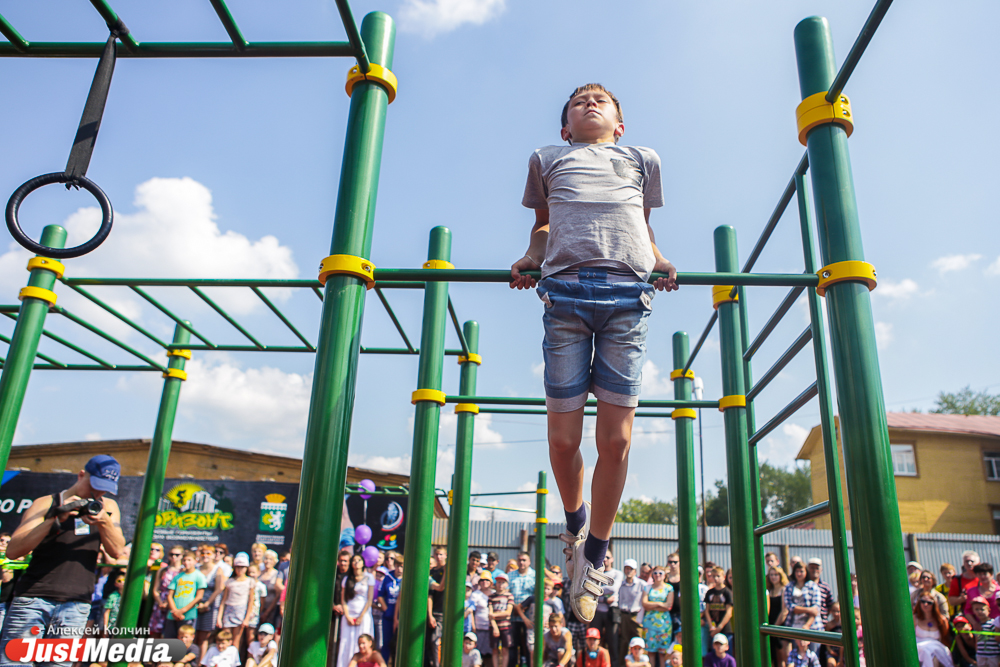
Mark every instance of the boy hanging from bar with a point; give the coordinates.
(596, 251)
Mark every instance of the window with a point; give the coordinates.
(992, 460)
(904, 463)
(996, 518)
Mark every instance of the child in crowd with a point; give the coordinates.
(719, 606)
(800, 656)
(185, 633)
(470, 656)
(481, 598)
(637, 653)
(263, 652)
(187, 589)
(501, 607)
(677, 657)
(719, 657)
(595, 655)
(593, 243)
(222, 653)
(557, 643)
(469, 610)
(113, 602)
(236, 608)
(987, 646)
(964, 653)
(260, 592)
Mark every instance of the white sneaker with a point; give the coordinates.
(587, 585)
(571, 541)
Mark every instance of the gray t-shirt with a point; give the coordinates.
(595, 194)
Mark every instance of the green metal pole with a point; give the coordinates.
(687, 512)
(746, 571)
(541, 535)
(458, 521)
(838, 529)
(324, 463)
(152, 487)
(24, 346)
(413, 613)
(878, 538)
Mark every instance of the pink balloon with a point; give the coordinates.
(362, 534)
(368, 485)
(370, 554)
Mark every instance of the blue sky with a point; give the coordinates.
(229, 168)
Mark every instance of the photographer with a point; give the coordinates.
(56, 588)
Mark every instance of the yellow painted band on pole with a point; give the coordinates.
(179, 353)
(37, 293)
(683, 412)
(851, 270)
(451, 496)
(542, 491)
(815, 111)
(678, 373)
(541, 520)
(720, 295)
(467, 407)
(432, 395)
(176, 373)
(472, 356)
(438, 264)
(349, 264)
(52, 265)
(378, 74)
(733, 401)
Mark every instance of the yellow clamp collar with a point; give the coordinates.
(679, 373)
(815, 111)
(432, 395)
(378, 74)
(176, 373)
(542, 492)
(438, 264)
(467, 407)
(851, 270)
(349, 264)
(472, 356)
(37, 293)
(49, 264)
(541, 520)
(179, 353)
(684, 412)
(734, 401)
(720, 295)
(451, 496)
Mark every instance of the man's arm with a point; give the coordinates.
(662, 264)
(109, 526)
(32, 530)
(533, 258)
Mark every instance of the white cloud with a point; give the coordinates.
(994, 268)
(646, 432)
(950, 263)
(902, 290)
(92, 437)
(397, 464)
(883, 335)
(781, 450)
(432, 17)
(655, 385)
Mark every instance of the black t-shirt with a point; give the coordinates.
(716, 601)
(437, 597)
(676, 609)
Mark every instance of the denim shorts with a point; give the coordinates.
(595, 339)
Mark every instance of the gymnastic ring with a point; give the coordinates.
(14, 203)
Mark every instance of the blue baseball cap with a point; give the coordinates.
(104, 471)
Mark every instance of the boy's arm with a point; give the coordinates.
(533, 258)
(662, 265)
(727, 616)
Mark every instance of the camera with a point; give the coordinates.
(87, 507)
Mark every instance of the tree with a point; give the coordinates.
(716, 508)
(783, 491)
(967, 402)
(647, 511)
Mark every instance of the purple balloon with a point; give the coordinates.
(370, 554)
(362, 534)
(368, 485)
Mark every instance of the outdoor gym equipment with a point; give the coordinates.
(844, 280)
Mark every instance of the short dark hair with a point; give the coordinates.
(983, 567)
(475, 554)
(586, 88)
(492, 556)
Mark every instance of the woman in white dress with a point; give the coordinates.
(932, 631)
(357, 591)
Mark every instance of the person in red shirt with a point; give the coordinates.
(957, 591)
(595, 655)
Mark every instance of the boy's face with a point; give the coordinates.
(720, 648)
(189, 562)
(264, 638)
(592, 118)
(501, 585)
(982, 611)
(468, 645)
(120, 583)
(187, 638)
(224, 644)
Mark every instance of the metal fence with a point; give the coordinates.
(652, 543)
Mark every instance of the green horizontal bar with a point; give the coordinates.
(107, 337)
(819, 636)
(400, 350)
(505, 493)
(123, 318)
(518, 400)
(356, 489)
(184, 50)
(13, 36)
(503, 276)
(793, 519)
(504, 509)
(90, 367)
(294, 348)
(543, 411)
(785, 413)
(229, 23)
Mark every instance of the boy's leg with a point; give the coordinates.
(614, 437)
(565, 434)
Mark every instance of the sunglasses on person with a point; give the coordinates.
(927, 602)
(658, 574)
(174, 553)
(673, 562)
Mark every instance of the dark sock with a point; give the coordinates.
(595, 549)
(576, 520)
